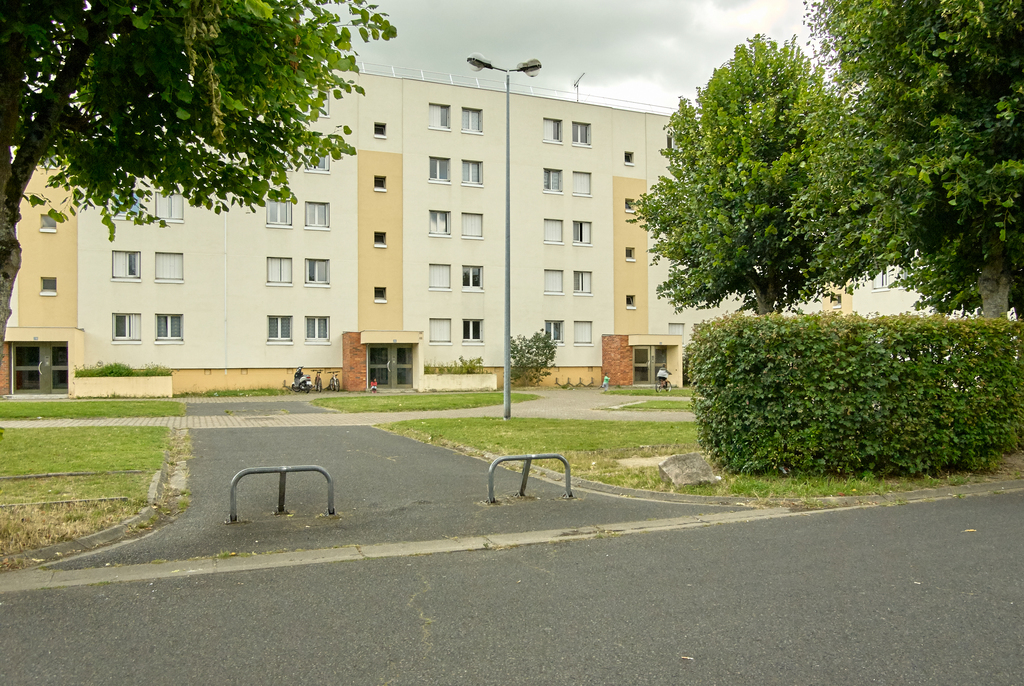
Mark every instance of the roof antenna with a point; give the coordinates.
(576, 85)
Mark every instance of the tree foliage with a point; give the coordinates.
(531, 357)
(926, 168)
(722, 220)
(213, 99)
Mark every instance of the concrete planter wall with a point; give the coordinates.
(458, 382)
(121, 387)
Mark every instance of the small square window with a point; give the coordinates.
(581, 233)
(554, 330)
(552, 230)
(630, 254)
(380, 183)
(440, 117)
(320, 164)
(630, 302)
(440, 277)
(380, 239)
(581, 183)
(629, 206)
(580, 133)
(440, 223)
(472, 330)
(553, 180)
(279, 271)
(170, 266)
(279, 213)
(127, 265)
(168, 327)
(440, 331)
(170, 207)
(581, 283)
(440, 169)
(472, 278)
(47, 224)
(317, 329)
(127, 327)
(472, 121)
(553, 281)
(279, 329)
(669, 143)
(318, 215)
(49, 286)
(583, 333)
(318, 272)
(628, 158)
(380, 130)
(472, 173)
(472, 225)
(380, 294)
(553, 130)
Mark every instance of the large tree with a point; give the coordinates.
(722, 219)
(926, 167)
(212, 99)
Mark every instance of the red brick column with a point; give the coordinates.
(5, 371)
(353, 362)
(617, 359)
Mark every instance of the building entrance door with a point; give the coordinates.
(40, 368)
(647, 360)
(390, 365)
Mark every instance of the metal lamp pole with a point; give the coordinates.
(530, 68)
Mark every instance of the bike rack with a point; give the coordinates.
(283, 471)
(527, 462)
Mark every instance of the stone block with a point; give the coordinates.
(690, 469)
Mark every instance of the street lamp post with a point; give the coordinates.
(530, 68)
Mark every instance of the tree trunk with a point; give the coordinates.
(10, 264)
(994, 284)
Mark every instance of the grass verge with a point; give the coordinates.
(86, 409)
(671, 405)
(684, 392)
(418, 402)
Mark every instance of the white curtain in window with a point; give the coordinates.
(440, 330)
(170, 265)
(127, 326)
(439, 223)
(439, 116)
(552, 281)
(472, 172)
(441, 276)
(581, 232)
(676, 329)
(552, 130)
(317, 214)
(279, 269)
(472, 120)
(170, 207)
(581, 282)
(472, 224)
(279, 212)
(168, 326)
(553, 230)
(126, 264)
(581, 183)
(583, 332)
(316, 328)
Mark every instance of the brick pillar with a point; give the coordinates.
(353, 362)
(617, 359)
(6, 383)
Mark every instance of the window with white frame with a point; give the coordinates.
(472, 277)
(47, 224)
(127, 327)
(627, 158)
(581, 283)
(170, 266)
(318, 215)
(317, 329)
(553, 281)
(279, 213)
(440, 223)
(168, 327)
(127, 265)
(440, 169)
(472, 225)
(883, 281)
(380, 130)
(554, 330)
(279, 271)
(553, 130)
(170, 207)
(440, 330)
(630, 208)
(472, 330)
(318, 272)
(440, 277)
(553, 180)
(279, 329)
(321, 164)
(581, 183)
(630, 302)
(552, 230)
(630, 254)
(472, 120)
(380, 294)
(675, 329)
(440, 117)
(472, 173)
(583, 333)
(581, 233)
(48, 285)
(380, 239)
(669, 143)
(380, 183)
(580, 133)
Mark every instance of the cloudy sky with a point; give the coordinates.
(646, 51)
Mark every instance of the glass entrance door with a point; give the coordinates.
(40, 368)
(647, 360)
(389, 365)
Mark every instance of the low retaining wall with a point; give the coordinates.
(121, 387)
(458, 382)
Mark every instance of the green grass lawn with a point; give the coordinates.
(673, 405)
(82, 449)
(684, 392)
(417, 402)
(85, 409)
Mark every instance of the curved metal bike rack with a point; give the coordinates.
(527, 461)
(283, 471)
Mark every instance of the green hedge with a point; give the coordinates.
(847, 395)
(118, 369)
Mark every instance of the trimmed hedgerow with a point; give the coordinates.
(119, 369)
(848, 395)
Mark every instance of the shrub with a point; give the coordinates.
(531, 357)
(119, 369)
(848, 395)
(462, 366)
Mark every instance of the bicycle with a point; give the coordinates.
(334, 384)
(663, 385)
(318, 385)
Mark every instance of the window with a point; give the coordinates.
(472, 225)
(440, 277)
(669, 143)
(170, 207)
(380, 183)
(630, 254)
(628, 158)
(883, 281)
(581, 183)
(380, 130)
(47, 224)
(676, 329)
(279, 213)
(630, 302)
(48, 285)
(440, 169)
(472, 172)
(317, 329)
(170, 266)
(279, 329)
(321, 164)
(168, 327)
(472, 331)
(440, 224)
(380, 239)
(318, 272)
(126, 265)
(380, 294)
(581, 283)
(552, 230)
(553, 130)
(580, 133)
(127, 327)
(472, 277)
(440, 330)
(472, 121)
(279, 271)
(553, 281)
(581, 233)
(629, 206)
(318, 215)
(440, 117)
(583, 333)
(554, 330)
(553, 180)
